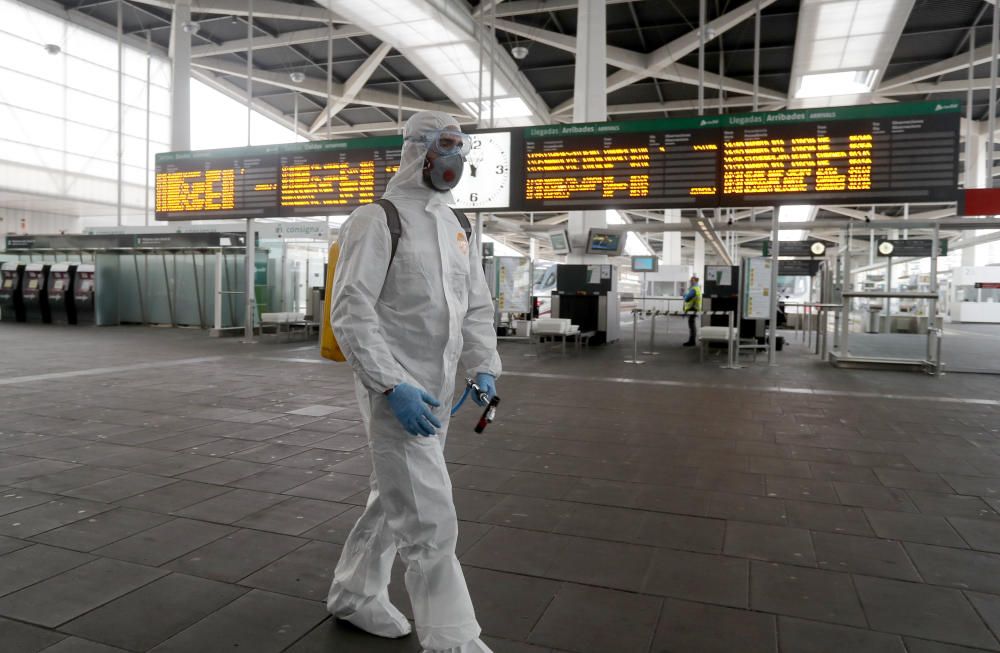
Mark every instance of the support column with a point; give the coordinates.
(672, 239)
(590, 104)
(977, 170)
(699, 255)
(180, 79)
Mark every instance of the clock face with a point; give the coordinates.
(817, 248)
(485, 182)
(885, 248)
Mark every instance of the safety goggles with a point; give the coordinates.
(446, 142)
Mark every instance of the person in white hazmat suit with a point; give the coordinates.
(404, 327)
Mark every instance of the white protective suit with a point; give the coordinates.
(412, 324)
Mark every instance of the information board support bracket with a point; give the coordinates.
(138, 288)
(773, 327)
(250, 297)
(166, 281)
(218, 291)
(197, 290)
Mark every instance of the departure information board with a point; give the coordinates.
(332, 177)
(215, 184)
(603, 165)
(873, 154)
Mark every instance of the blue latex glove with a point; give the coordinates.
(488, 384)
(410, 405)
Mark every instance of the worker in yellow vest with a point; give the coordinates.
(692, 306)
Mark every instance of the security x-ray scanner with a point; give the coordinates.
(61, 304)
(11, 297)
(83, 294)
(36, 293)
(587, 295)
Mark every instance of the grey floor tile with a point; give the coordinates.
(808, 593)
(910, 527)
(337, 529)
(232, 506)
(871, 496)
(545, 514)
(681, 532)
(911, 480)
(956, 567)
(152, 614)
(305, 572)
(59, 512)
(935, 613)
(508, 605)
(763, 510)
(863, 555)
(64, 597)
(293, 516)
(15, 474)
(771, 543)
(516, 551)
(624, 566)
(277, 479)
(829, 518)
(78, 645)
(165, 542)
(171, 498)
(988, 607)
(120, 487)
(71, 478)
(8, 544)
(586, 619)
(981, 534)
(341, 637)
(331, 487)
(698, 577)
(803, 636)
(15, 499)
(176, 465)
(951, 505)
(914, 645)
(25, 638)
(974, 485)
(101, 530)
(236, 555)
(225, 472)
(686, 626)
(28, 565)
(258, 622)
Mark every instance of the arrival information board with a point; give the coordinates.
(652, 163)
(873, 154)
(232, 184)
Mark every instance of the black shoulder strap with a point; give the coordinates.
(394, 224)
(464, 221)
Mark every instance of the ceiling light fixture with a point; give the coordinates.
(190, 27)
(519, 52)
(841, 82)
(52, 48)
(297, 77)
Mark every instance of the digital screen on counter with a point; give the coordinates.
(607, 165)
(902, 153)
(8, 283)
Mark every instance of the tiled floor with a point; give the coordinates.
(164, 491)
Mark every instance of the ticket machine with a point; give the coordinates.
(11, 299)
(61, 300)
(83, 294)
(36, 293)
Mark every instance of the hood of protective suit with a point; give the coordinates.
(408, 180)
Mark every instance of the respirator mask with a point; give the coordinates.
(444, 171)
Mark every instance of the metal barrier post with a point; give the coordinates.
(732, 351)
(652, 336)
(635, 339)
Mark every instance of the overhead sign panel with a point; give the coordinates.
(648, 163)
(873, 154)
(889, 153)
